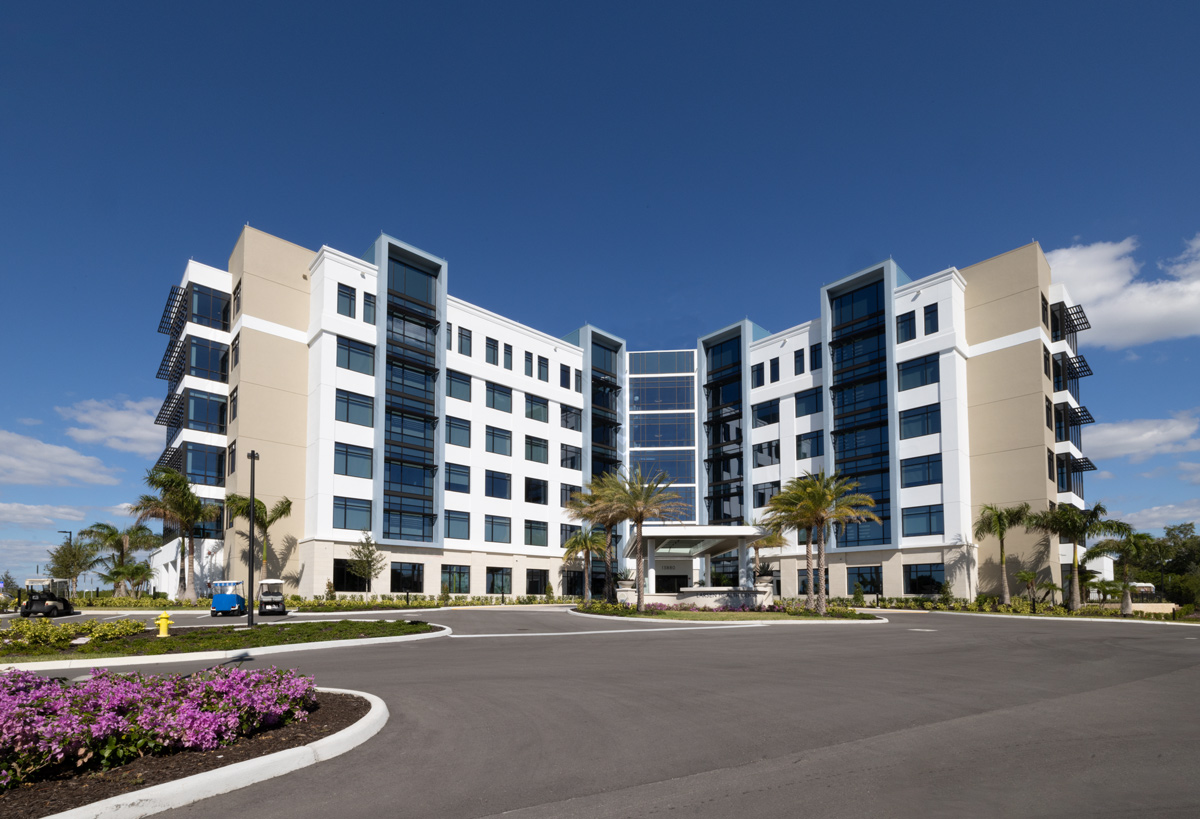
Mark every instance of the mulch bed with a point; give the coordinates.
(332, 713)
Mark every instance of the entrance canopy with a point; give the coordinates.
(688, 541)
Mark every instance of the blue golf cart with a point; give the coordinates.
(228, 598)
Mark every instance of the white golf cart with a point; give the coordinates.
(48, 597)
(270, 597)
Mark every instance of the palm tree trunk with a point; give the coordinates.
(189, 589)
(1074, 577)
(184, 571)
(821, 572)
(641, 570)
(1126, 597)
(808, 557)
(610, 592)
(1005, 597)
(587, 578)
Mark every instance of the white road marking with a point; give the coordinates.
(608, 631)
(922, 629)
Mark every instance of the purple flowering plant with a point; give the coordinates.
(50, 725)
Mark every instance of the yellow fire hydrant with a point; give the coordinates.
(163, 621)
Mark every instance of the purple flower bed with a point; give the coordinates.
(51, 725)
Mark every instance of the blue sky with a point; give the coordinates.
(652, 155)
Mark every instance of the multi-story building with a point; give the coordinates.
(379, 403)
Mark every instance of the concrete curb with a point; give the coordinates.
(181, 792)
(235, 654)
(1041, 618)
(728, 623)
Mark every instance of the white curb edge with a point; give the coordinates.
(233, 654)
(799, 621)
(181, 792)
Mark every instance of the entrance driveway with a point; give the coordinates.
(927, 715)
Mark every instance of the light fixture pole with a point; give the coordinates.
(252, 456)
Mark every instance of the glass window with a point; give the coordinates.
(537, 491)
(1050, 416)
(564, 376)
(464, 341)
(566, 491)
(572, 457)
(543, 369)
(408, 577)
(774, 370)
(491, 351)
(344, 580)
(604, 358)
(351, 513)
(537, 408)
(458, 385)
(498, 397)
(870, 578)
(458, 431)
(925, 420)
(458, 525)
(354, 461)
(766, 413)
(537, 449)
(766, 454)
(1046, 361)
(231, 460)
(456, 579)
(756, 376)
(355, 409)
(508, 356)
(536, 581)
(803, 576)
(808, 402)
(814, 356)
(924, 578)
(906, 326)
(458, 478)
(663, 429)
(676, 466)
(565, 532)
(668, 392)
(921, 471)
(681, 361)
(499, 441)
(798, 362)
(499, 581)
(208, 359)
(1045, 312)
(763, 492)
(411, 429)
(410, 282)
(529, 364)
(205, 412)
(410, 380)
(810, 445)
(449, 337)
(204, 465)
(237, 299)
(918, 372)
(356, 356)
(579, 381)
(406, 330)
(497, 529)
(345, 301)
(402, 525)
(498, 485)
(369, 318)
(536, 533)
(572, 418)
(411, 478)
(210, 308)
(923, 520)
(233, 404)
(931, 319)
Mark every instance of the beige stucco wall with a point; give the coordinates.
(957, 562)
(1004, 293)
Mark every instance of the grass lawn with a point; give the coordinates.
(216, 639)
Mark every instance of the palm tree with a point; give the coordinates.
(121, 543)
(140, 575)
(239, 507)
(995, 521)
(1075, 526)
(179, 508)
(638, 499)
(585, 544)
(824, 503)
(588, 506)
(792, 508)
(70, 559)
(771, 538)
(1131, 548)
(1030, 579)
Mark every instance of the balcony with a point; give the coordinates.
(171, 366)
(171, 413)
(174, 314)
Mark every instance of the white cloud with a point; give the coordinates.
(121, 510)
(1126, 311)
(1104, 475)
(29, 422)
(126, 426)
(1144, 438)
(1189, 472)
(1156, 517)
(26, 460)
(24, 514)
(21, 556)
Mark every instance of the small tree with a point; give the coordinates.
(586, 544)
(1030, 579)
(366, 561)
(996, 521)
(71, 559)
(8, 584)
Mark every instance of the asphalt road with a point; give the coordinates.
(539, 713)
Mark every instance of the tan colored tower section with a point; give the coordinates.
(271, 378)
(1007, 390)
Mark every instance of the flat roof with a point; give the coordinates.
(687, 540)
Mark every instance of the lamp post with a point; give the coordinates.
(252, 456)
